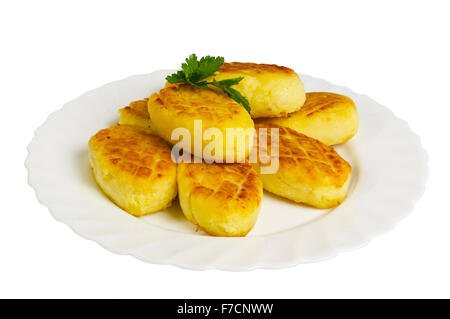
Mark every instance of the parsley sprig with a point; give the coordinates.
(194, 72)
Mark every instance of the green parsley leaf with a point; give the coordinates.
(230, 82)
(194, 72)
(232, 93)
(176, 77)
(190, 67)
(209, 65)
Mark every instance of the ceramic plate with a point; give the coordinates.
(389, 175)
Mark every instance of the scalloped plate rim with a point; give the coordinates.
(258, 265)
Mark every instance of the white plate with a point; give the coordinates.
(389, 175)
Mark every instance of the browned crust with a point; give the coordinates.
(133, 151)
(225, 182)
(255, 68)
(187, 100)
(306, 159)
(138, 108)
(317, 102)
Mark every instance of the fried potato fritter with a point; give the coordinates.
(133, 168)
(222, 199)
(179, 106)
(136, 114)
(331, 118)
(271, 90)
(309, 172)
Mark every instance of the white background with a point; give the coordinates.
(397, 52)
